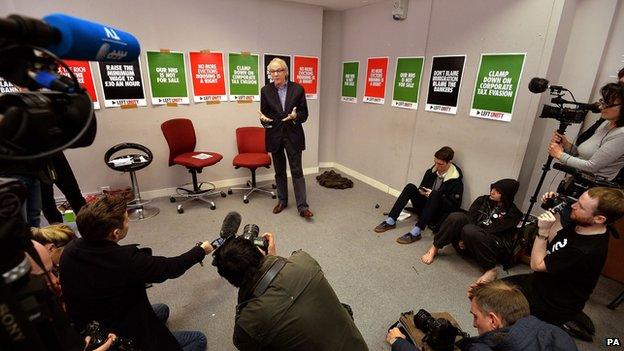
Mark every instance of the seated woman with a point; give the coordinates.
(600, 150)
(54, 237)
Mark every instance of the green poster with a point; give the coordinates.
(243, 75)
(350, 81)
(496, 86)
(167, 76)
(407, 78)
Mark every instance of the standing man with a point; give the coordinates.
(283, 108)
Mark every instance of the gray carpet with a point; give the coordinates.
(376, 276)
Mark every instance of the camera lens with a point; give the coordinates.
(250, 231)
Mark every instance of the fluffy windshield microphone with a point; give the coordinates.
(230, 226)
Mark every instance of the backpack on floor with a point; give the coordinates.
(331, 179)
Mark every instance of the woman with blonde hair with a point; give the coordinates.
(54, 237)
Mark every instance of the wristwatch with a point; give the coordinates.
(543, 237)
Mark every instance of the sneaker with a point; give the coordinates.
(383, 226)
(408, 238)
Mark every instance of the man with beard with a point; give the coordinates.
(567, 260)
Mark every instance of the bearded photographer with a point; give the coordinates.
(106, 282)
(284, 303)
(600, 149)
(501, 316)
(567, 260)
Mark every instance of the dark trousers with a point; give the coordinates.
(281, 180)
(538, 308)
(428, 208)
(67, 184)
(188, 340)
(478, 244)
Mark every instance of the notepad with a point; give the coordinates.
(202, 156)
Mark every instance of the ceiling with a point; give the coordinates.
(337, 5)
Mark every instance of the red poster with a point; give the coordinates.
(207, 76)
(305, 72)
(83, 73)
(376, 70)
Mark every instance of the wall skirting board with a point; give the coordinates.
(225, 183)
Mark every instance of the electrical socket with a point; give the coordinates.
(102, 188)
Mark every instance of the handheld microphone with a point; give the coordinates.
(71, 38)
(229, 228)
(539, 85)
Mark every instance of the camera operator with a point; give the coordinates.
(105, 282)
(599, 150)
(567, 260)
(284, 304)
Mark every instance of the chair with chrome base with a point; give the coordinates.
(132, 162)
(180, 136)
(252, 154)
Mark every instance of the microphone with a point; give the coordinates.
(539, 85)
(71, 38)
(229, 228)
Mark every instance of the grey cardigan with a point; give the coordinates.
(602, 154)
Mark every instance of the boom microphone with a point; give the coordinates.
(71, 38)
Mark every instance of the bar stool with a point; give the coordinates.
(130, 162)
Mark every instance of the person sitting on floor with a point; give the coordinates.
(440, 193)
(485, 231)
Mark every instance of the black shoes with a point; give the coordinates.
(383, 226)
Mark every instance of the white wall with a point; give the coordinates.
(219, 25)
(395, 146)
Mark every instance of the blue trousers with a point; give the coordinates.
(188, 340)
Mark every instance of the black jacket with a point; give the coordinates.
(271, 107)
(104, 281)
(507, 216)
(452, 188)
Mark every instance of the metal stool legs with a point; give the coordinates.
(136, 208)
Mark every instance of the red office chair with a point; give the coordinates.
(252, 154)
(180, 136)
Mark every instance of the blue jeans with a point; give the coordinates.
(188, 340)
(31, 210)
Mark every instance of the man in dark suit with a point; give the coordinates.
(104, 281)
(283, 109)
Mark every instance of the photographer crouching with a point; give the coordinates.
(106, 282)
(501, 315)
(283, 303)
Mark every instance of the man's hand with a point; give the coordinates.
(105, 346)
(271, 240)
(394, 334)
(545, 221)
(263, 118)
(548, 195)
(424, 191)
(207, 247)
(291, 116)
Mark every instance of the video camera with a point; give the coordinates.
(567, 115)
(38, 124)
(439, 333)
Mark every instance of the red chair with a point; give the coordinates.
(180, 135)
(252, 154)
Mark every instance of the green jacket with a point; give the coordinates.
(298, 311)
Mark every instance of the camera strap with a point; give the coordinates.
(268, 276)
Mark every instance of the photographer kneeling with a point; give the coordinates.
(501, 315)
(284, 304)
(105, 282)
